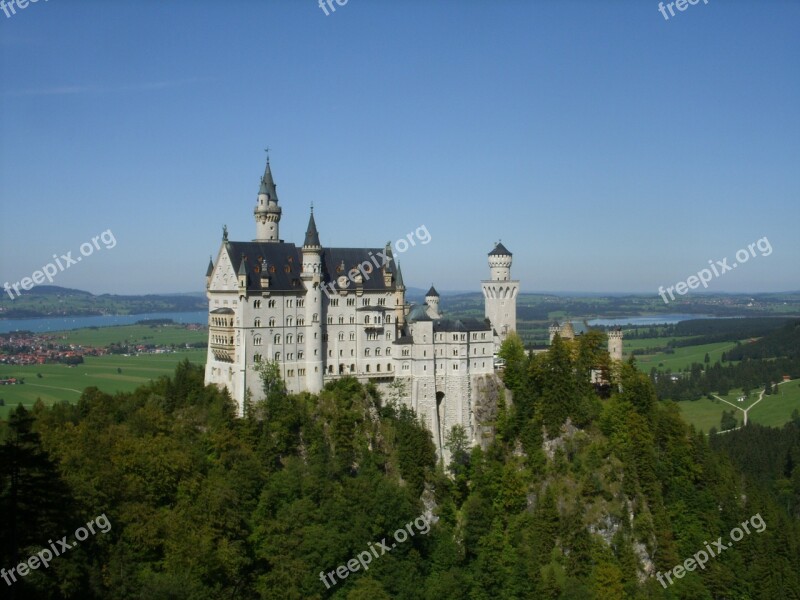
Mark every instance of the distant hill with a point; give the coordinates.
(55, 301)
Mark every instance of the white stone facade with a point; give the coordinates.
(323, 313)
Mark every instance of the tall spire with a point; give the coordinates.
(312, 235)
(399, 282)
(267, 212)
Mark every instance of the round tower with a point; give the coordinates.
(615, 343)
(500, 294)
(432, 300)
(311, 276)
(267, 212)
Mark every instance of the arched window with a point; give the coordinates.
(388, 319)
(277, 356)
(257, 358)
(366, 320)
(366, 351)
(388, 351)
(289, 321)
(289, 338)
(256, 303)
(257, 322)
(272, 321)
(315, 318)
(377, 351)
(300, 337)
(257, 340)
(341, 320)
(271, 304)
(277, 338)
(341, 336)
(300, 321)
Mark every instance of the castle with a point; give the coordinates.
(322, 313)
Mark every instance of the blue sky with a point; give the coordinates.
(609, 149)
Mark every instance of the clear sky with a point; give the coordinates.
(610, 149)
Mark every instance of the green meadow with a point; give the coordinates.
(132, 334)
(110, 373)
(682, 358)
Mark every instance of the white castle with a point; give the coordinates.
(323, 313)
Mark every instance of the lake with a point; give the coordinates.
(48, 324)
(666, 319)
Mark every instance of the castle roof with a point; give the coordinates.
(500, 250)
(285, 262)
(447, 325)
(312, 236)
(432, 292)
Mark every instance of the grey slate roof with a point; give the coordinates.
(285, 262)
(446, 325)
(268, 186)
(500, 250)
(432, 292)
(312, 236)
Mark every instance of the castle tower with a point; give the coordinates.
(311, 277)
(500, 294)
(615, 343)
(267, 212)
(555, 328)
(399, 297)
(432, 300)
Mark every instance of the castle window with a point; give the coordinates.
(289, 302)
(381, 301)
(341, 336)
(341, 353)
(367, 368)
(257, 340)
(277, 356)
(352, 368)
(301, 303)
(330, 320)
(352, 352)
(257, 358)
(366, 351)
(256, 303)
(365, 302)
(289, 338)
(300, 337)
(341, 320)
(455, 351)
(377, 351)
(406, 366)
(301, 321)
(366, 320)
(301, 372)
(300, 354)
(289, 321)
(290, 356)
(406, 352)
(276, 339)
(272, 321)
(352, 320)
(315, 318)
(271, 304)
(388, 318)
(351, 302)
(378, 367)
(352, 336)
(455, 367)
(330, 353)
(389, 367)
(334, 302)
(290, 373)
(388, 351)
(257, 322)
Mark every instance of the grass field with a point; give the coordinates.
(132, 334)
(61, 382)
(777, 409)
(705, 414)
(683, 356)
(772, 411)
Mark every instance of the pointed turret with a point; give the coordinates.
(210, 269)
(267, 212)
(312, 235)
(432, 292)
(432, 301)
(399, 281)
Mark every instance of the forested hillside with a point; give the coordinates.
(581, 495)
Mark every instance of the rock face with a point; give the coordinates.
(487, 391)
